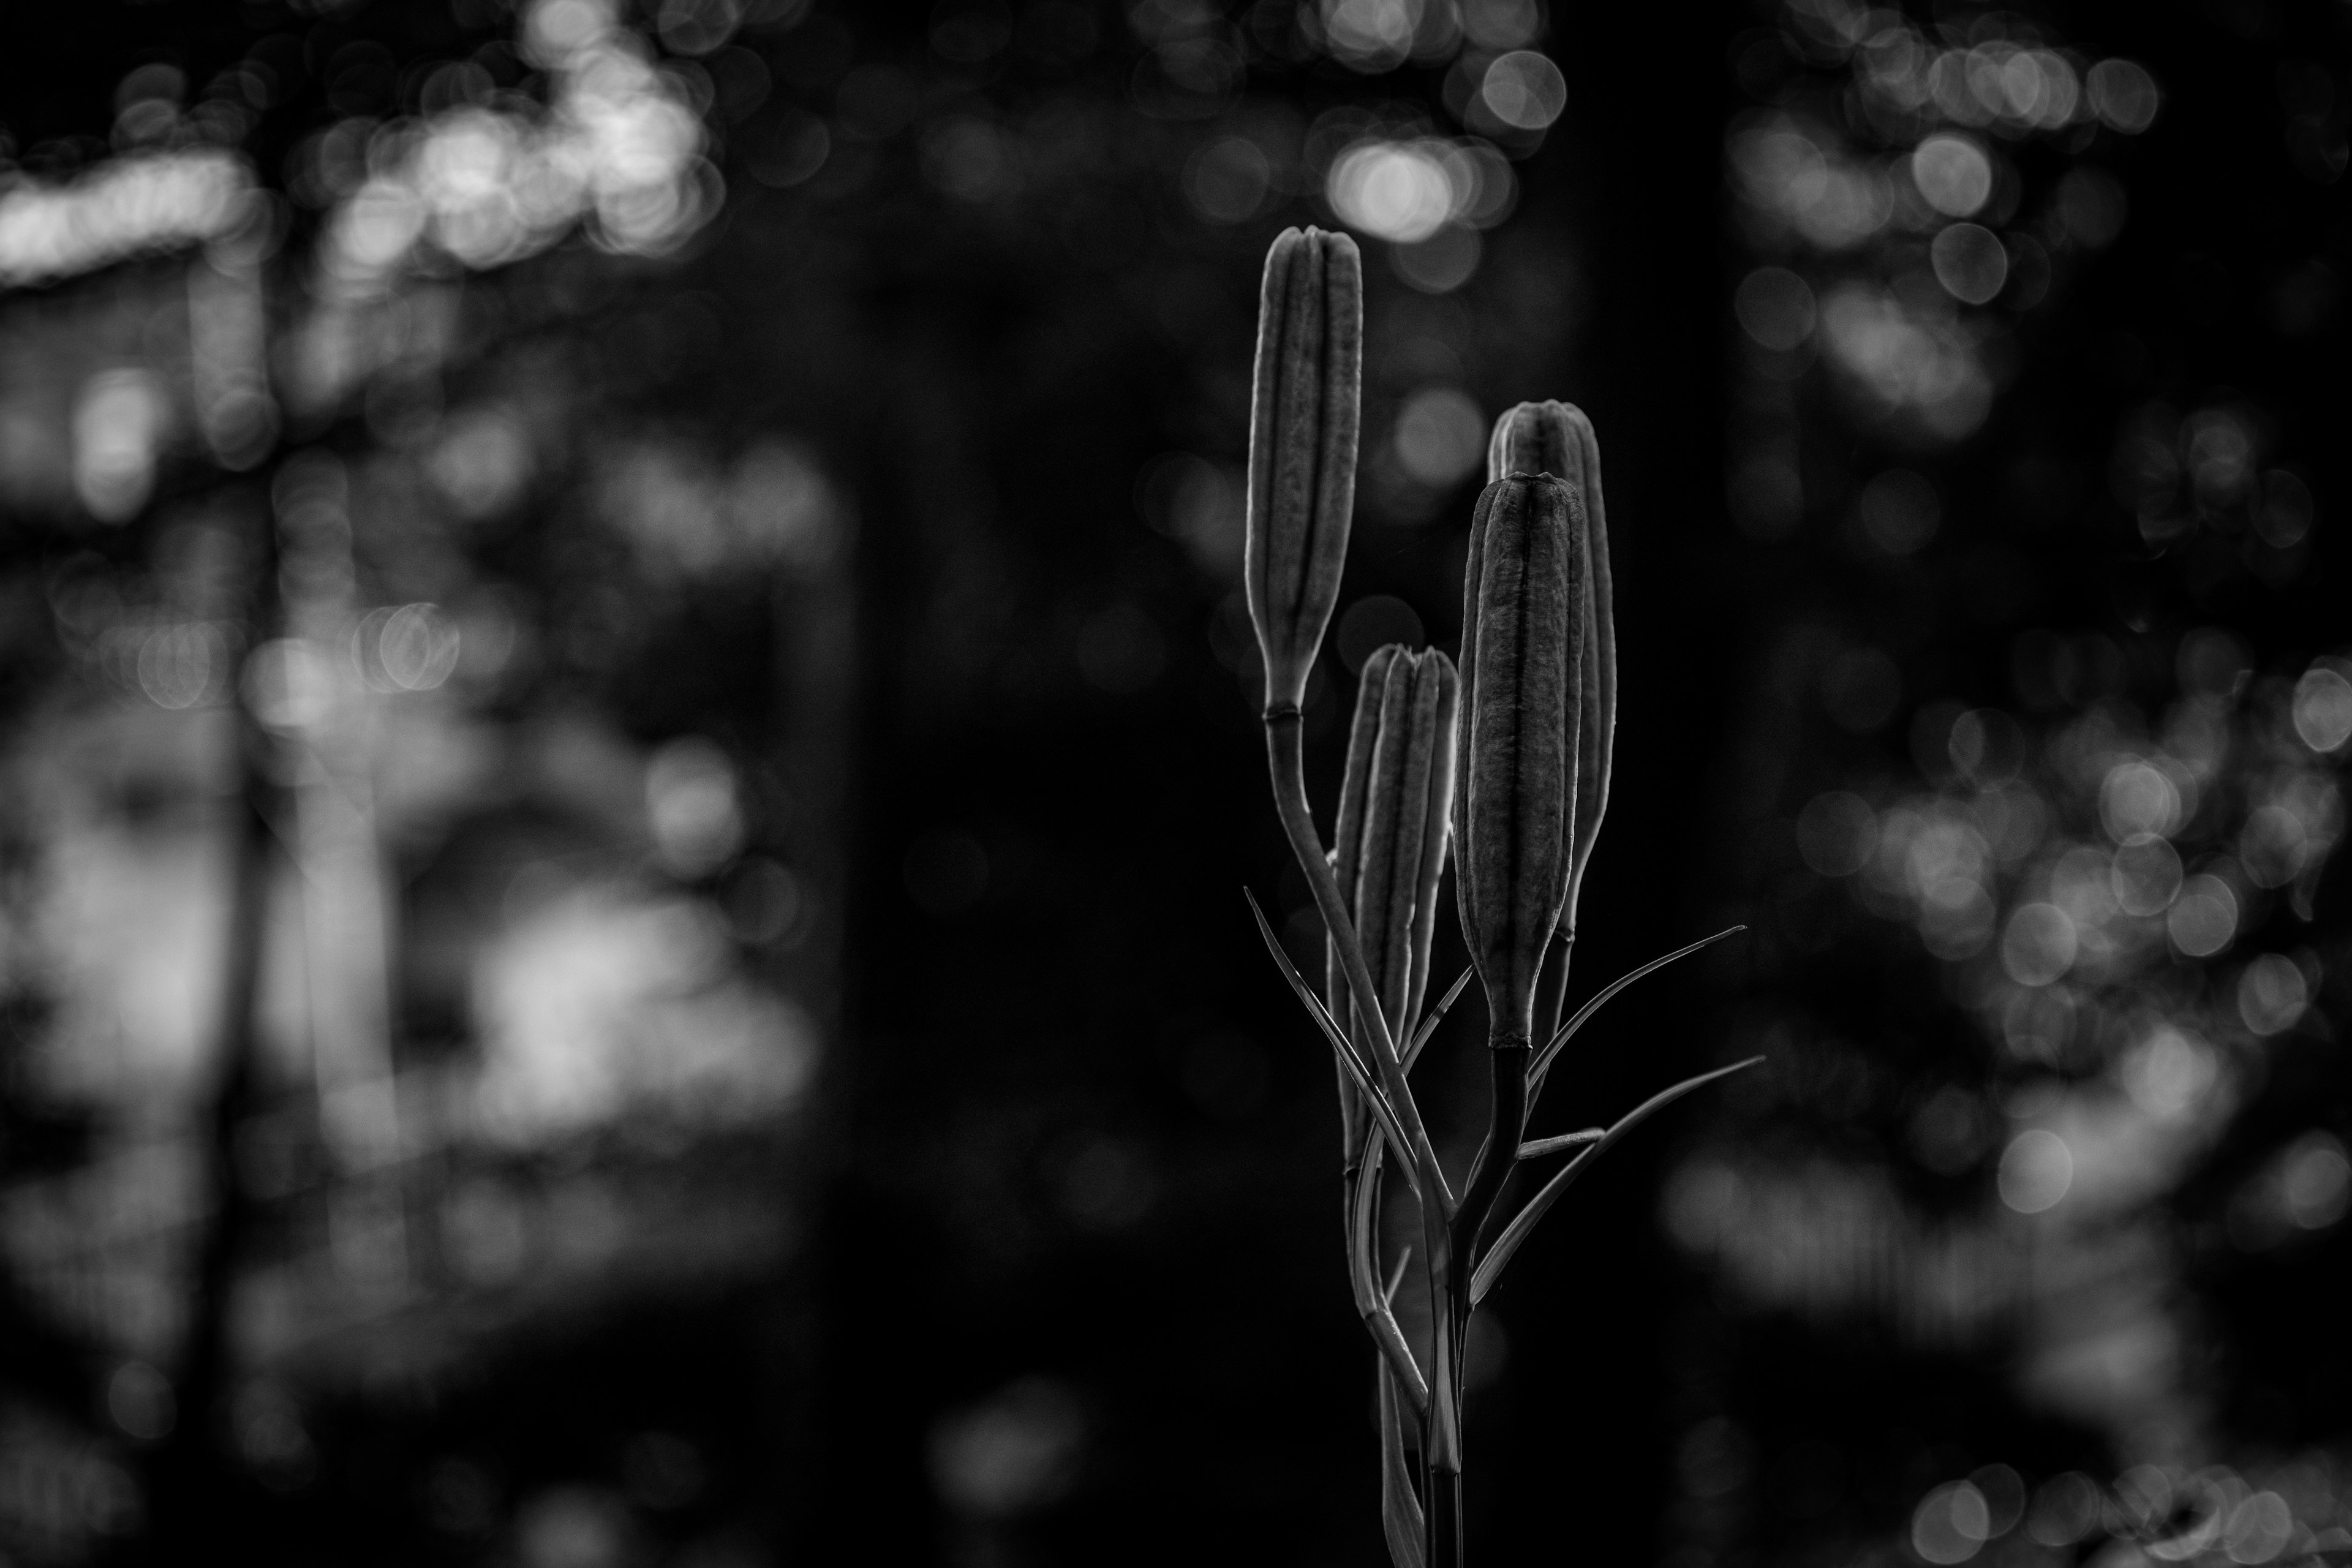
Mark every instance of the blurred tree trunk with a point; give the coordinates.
(192, 1491)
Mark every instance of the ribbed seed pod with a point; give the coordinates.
(1523, 626)
(1557, 439)
(1404, 829)
(1388, 851)
(1304, 410)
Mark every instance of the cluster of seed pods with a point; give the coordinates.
(1524, 729)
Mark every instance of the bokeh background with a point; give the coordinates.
(629, 754)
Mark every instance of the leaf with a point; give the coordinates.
(1542, 1064)
(1400, 1500)
(1390, 1127)
(1537, 1148)
(1375, 1305)
(1437, 1013)
(1396, 1277)
(1491, 1266)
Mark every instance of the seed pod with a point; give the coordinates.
(1523, 629)
(1390, 846)
(1404, 829)
(1304, 411)
(1557, 439)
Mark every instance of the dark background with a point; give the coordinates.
(1060, 1192)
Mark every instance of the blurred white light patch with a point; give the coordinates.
(1441, 436)
(2274, 846)
(1953, 173)
(1199, 505)
(2124, 95)
(1908, 364)
(2036, 1170)
(2272, 994)
(1969, 262)
(481, 462)
(2204, 918)
(2147, 874)
(2256, 1529)
(2169, 1074)
(1523, 90)
(1797, 177)
(689, 518)
(141, 1402)
(2064, 1509)
(1012, 1454)
(1951, 1524)
(596, 1006)
(1399, 191)
(1956, 918)
(1371, 36)
(698, 27)
(290, 684)
(617, 145)
(120, 423)
(2323, 708)
(186, 663)
(2140, 797)
(2286, 512)
(1775, 308)
(693, 806)
(126, 207)
(1502, 24)
(2039, 944)
(405, 648)
(2315, 1181)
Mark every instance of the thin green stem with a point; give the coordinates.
(1359, 1194)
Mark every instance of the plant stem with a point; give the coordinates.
(1442, 1509)
(1360, 1193)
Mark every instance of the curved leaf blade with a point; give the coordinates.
(1553, 1048)
(1365, 1083)
(1523, 1224)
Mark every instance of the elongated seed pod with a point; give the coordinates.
(1304, 411)
(1389, 852)
(1437, 829)
(1522, 642)
(1557, 439)
(1407, 772)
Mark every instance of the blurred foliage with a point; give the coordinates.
(2032, 419)
(725, 515)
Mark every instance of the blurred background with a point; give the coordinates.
(629, 750)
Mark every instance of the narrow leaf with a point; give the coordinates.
(1436, 1015)
(1491, 1266)
(1386, 1113)
(1536, 1147)
(1567, 1031)
(1401, 1519)
(1373, 1304)
(1396, 1277)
